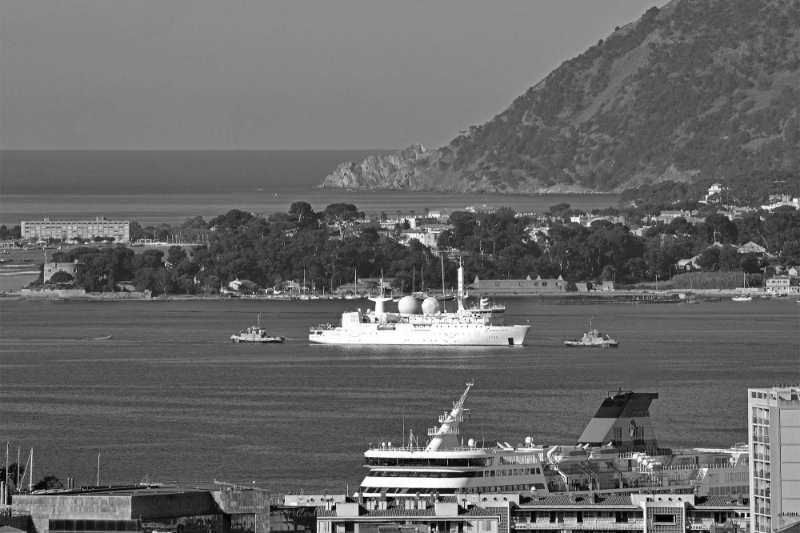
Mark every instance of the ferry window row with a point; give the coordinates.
(512, 472)
(427, 474)
(401, 473)
(519, 459)
(445, 490)
(392, 461)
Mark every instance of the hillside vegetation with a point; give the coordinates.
(700, 89)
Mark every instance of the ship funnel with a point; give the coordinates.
(623, 422)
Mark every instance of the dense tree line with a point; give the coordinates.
(330, 247)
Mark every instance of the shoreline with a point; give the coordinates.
(634, 296)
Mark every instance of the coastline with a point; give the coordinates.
(629, 297)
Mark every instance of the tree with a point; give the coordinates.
(302, 212)
(14, 471)
(176, 254)
(62, 277)
(48, 482)
(135, 231)
(341, 215)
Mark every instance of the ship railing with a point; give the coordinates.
(448, 418)
(398, 448)
(322, 327)
(688, 466)
(434, 431)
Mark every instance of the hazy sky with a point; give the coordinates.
(337, 74)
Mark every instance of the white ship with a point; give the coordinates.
(481, 325)
(617, 453)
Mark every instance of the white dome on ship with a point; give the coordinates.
(408, 305)
(430, 306)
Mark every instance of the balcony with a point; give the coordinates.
(438, 431)
(588, 523)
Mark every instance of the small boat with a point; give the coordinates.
(592, 339)
(256, 334)
(743, 298)
(103, 338)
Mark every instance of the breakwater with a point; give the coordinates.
(80, 294)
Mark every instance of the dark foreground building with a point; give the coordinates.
(207, 508)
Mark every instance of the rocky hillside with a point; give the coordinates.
(698, 89)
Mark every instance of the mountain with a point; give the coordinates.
(698, 89)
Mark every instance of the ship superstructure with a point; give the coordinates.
(617, 453)
(444, 466)
(481, 325)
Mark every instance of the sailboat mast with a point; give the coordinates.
(441, 256)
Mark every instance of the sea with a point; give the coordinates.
(154, 187)
(169, 398)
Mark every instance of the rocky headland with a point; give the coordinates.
(696, 90)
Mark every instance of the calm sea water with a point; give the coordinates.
(155, 187)
(170, 397)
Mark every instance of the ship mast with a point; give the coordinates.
(445, 437)
(461, 293)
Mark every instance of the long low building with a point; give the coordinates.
(520, 287)
(208, 508)
(517, 513)
(68, 230)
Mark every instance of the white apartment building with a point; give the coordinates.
(68, 230)
(774, 436)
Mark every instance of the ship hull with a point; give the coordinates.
(412, 334)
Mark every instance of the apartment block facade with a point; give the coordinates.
(774, 435)
(68, 230)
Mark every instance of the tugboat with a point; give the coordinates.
(256, 334)
(592, 339)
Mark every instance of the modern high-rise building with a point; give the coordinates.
(68, 230)
(774, 429)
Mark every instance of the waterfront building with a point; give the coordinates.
(427, 234)
(161, 508)
(525, 286)
(774, 429)
(68, 230)
(784, 284)
(75, 270)
(529, 513)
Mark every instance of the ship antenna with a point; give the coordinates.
(460, 403)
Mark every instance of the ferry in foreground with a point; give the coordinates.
(617, 453)
(481, 325)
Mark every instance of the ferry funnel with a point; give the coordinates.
(623, 420)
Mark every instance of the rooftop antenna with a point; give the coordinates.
(17, 468)
(97, 483)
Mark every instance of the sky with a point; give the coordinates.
(277, 75)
